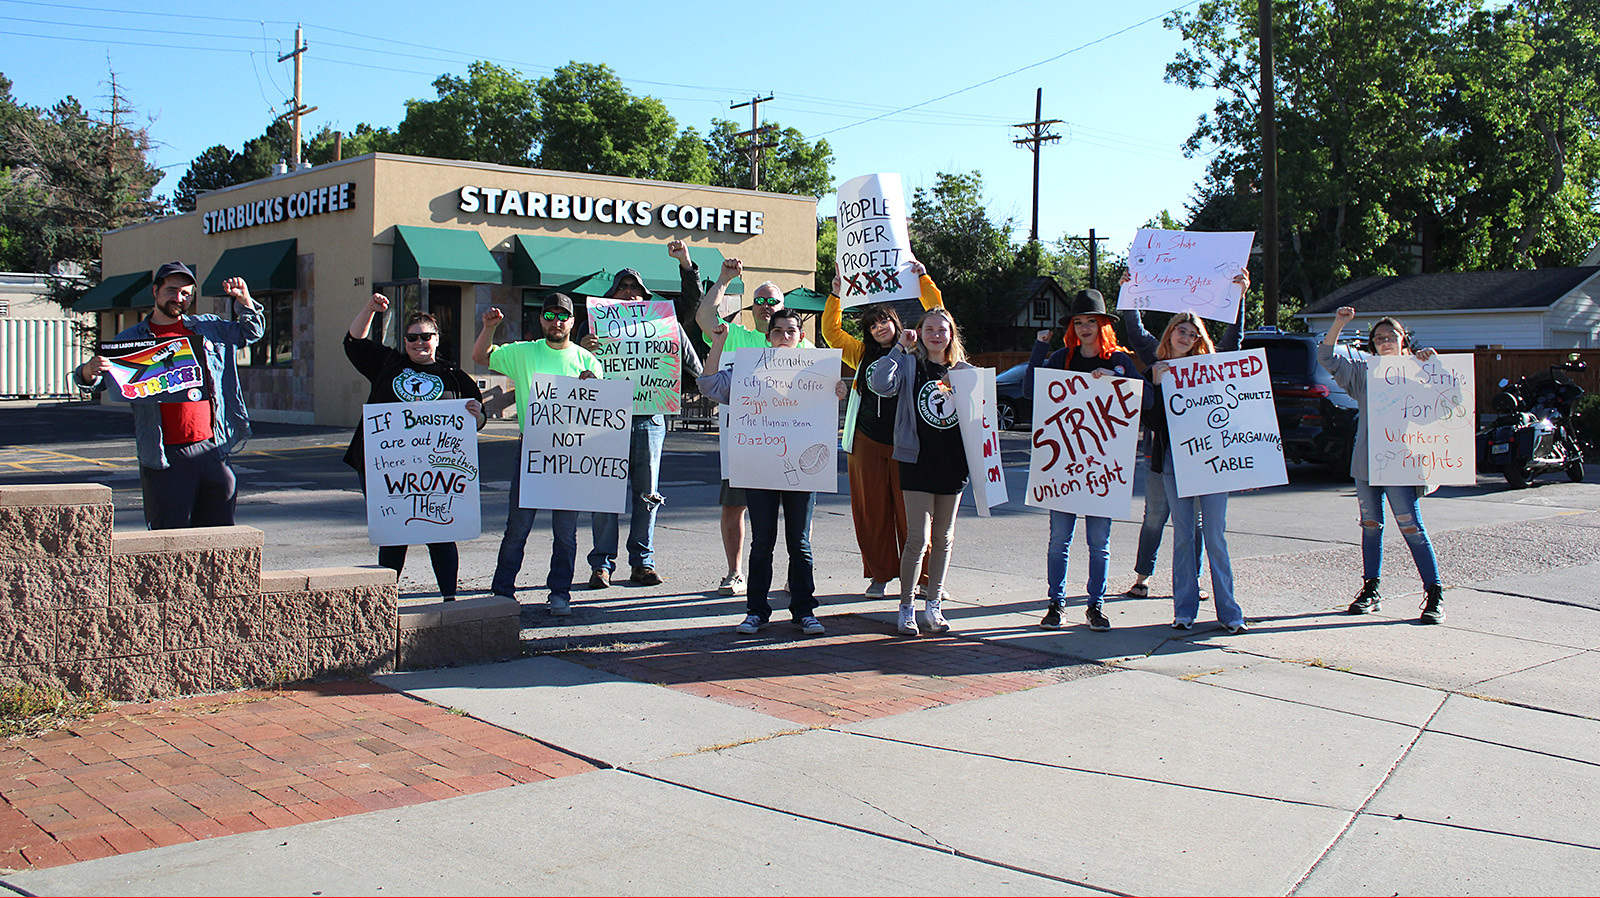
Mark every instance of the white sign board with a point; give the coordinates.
(1173, 271)
(874, 254)
(783, 431)
(1222, 424)
(976, 406)
(576, 437)
(639, 341)
(422, 472)
(1419, 421)
(1085, 443)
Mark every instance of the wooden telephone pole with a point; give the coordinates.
(298, 109)
(1039, 134)
(757, 130)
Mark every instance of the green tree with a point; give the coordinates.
(220, 167)
(827, 254)
(590, 122)
(492, 115)
(970, 255)
(795, 166)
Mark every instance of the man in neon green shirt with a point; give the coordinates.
(555, 354)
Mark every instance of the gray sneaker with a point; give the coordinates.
(810, 626)
(560, 604)
(750, 624)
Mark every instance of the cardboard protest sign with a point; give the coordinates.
(1085, 443)
(1420, 421)
(1222, 422)
(1177, 270)
(874, 255)
(422, 472)
(975, 414)
(784, 420)
(158, 369)
(576, 436)
(640, 341)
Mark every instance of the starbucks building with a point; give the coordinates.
(446, 237)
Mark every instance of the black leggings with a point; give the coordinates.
(446, 563)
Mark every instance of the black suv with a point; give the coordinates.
(1316, 417)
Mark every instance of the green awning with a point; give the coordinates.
(586, 266)
(442, 254)
(804, 299)
(265, 267)
(118, 292)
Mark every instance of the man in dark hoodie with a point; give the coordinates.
(644, 464)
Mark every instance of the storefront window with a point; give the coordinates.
(276, 346)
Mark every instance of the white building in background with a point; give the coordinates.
(39, 339)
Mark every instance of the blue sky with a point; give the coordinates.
(204, 73)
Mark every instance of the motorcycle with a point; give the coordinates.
(1531, 433)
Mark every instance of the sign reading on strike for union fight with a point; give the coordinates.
(575, 443)
(158, 369)
(1222, 424)
(1085, 443)
(1419, 421)
(422, 472)
(639, 341)
(874, 254)
(784, 420)
(1172, 271)
(975, 414)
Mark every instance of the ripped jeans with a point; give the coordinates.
(644, 491)
(1404, 502)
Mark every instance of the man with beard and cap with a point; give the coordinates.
(766, 300)
(555, 354)
(183, 446)
(649, 431)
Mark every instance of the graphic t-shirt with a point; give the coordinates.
(519, 361)
(941, 465)
(182, 422)
(875, 416)
(396, 378)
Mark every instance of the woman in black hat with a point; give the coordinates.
(1090, 346)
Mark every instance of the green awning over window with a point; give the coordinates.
(442, 254)
(587, 266)
(265, 267)
(118, 292)
(804, 299)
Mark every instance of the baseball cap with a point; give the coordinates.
(558, 301)
(172, 268)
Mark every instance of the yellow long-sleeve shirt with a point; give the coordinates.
(838, 338)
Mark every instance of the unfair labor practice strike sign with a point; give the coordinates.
(157, 369)
(1419, 421)
(1085, 443)
(1174, 271)
(874, 255)
(783, 420)
(1222, 424)
(975, 414)
(576, 435)
(422, 472)
(639, 341)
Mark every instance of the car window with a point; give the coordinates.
(1013, 374)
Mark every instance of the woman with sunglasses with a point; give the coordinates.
(876, 502)
(1386, 338)
(414, 375)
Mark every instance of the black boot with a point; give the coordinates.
(1432, 604)
(1367, 598)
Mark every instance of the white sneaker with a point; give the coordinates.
(878, 589)
(810, 626)
(908, 620)
(750, 624)
(935, 617)
(732, 585)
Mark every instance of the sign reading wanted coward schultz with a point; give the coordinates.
(422, 472)
(576, 435)
(874, 254)
(640, 341)
(783, 431)
(157, 369)
(1085, 443)
(1222, 423)
(1420, 421)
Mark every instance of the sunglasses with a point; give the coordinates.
(420, 338)
(768, 300)
(557, 316)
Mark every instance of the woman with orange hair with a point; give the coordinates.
(1090, 346)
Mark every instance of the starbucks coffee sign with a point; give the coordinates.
(638, 214)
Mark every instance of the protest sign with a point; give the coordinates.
(576, 436)
(1173, 271)
(874, 254)
(639, 341)
(157, 369)
(1085, 443)
(975, 414)
(784, 420)
(1222, 423)
(422, 472)
(1419, 421)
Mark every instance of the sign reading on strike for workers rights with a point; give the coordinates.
(1419, 421)
(874, 254)
(1222, 423)
(1085, 443)
(1172, 271)
(422, 472)
(576, 435)
(639, 341)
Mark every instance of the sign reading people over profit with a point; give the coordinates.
(157, 369)
(422, 472)
(1419, 421)
(639, 342)
(976, 404)
(1176, 270)
(784, 419)
(575, 441)
(1085, 443)
(1222, 424)
(874, 255)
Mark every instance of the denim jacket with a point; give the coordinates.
(230, 421)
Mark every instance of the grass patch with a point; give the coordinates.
(28, 710)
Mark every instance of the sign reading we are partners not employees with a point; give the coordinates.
(576, 435)
(422, 472)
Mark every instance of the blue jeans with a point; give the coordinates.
(797, 508)
(1097, 533)
(644, 478)
(1212, 511)
(1156, 512)
(519, 523)
(1405, 502)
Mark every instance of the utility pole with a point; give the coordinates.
(1038, 132)
(1269, 167)
(298, 109)
(1094, 257)
(757, 130)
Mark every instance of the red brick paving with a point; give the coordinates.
(139, 776)
(856, 672)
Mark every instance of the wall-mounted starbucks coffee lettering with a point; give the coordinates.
(607, 210)
(303, 204)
